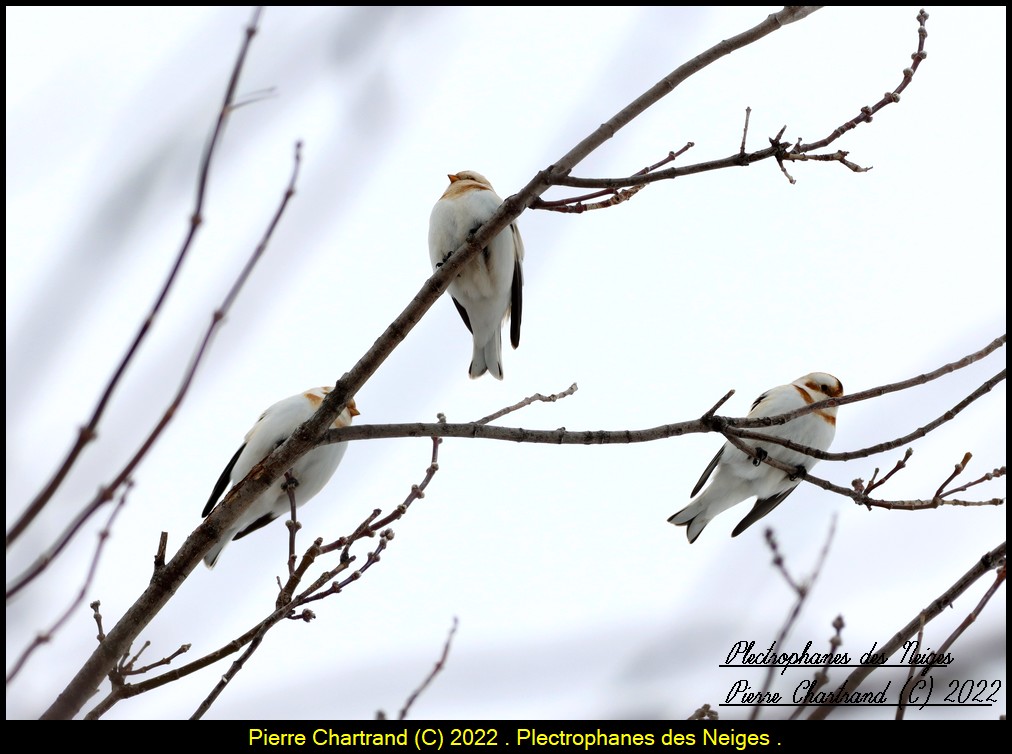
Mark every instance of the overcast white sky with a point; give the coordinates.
(575, 598)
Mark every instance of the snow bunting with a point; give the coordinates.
(311, 472)
(490, 286)
(739, 477)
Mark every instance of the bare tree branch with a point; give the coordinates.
(908, 684)
(90, 430)
(46, 636)
(106, 492)
(731, 427)
(285, 607)
(436, 669)
(822, 677)
(313, 432)
(526, 402)
(990, 561)
(874, 482)
(857, 496)
(801, 591)
(942, 651)
(309, 434)
(777, 150)
(888, 98)
(575, 204)
(892, 387)
(292, 523)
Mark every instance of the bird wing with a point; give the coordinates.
(463, 314)
(222, 483)
(707, 471)
(768, 404)
(258, 524)
(760, 509)
(517, 295)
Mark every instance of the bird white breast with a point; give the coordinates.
(483, 285)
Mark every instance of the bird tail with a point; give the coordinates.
(212, 555)
(723, 492)
(487, 357)
(694, 517)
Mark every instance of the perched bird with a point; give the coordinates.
(739, 477)
(490, 286)
(311, 472)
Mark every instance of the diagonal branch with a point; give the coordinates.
(871, 449)
(801, 591)
(876, 392)
(105, 493)
(284, 608)
(311, 433)
(990, 561)
(858, 496)
(778, 150)
(888, 98)
(47, 636)
(89, 431)
(307, 436)
(436, 669)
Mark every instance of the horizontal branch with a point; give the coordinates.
(858, 496)
(876, 392)
(778, 150)
(881, 447)
(475, 431)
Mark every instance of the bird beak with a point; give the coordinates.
(353, 409)
(453, 178)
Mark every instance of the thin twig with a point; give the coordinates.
(821, 678)
(236, 666)
(889, 98)
(994, 474)
(106, 492)
(293, 522)
(575, 204)
(956, 472)
(310, 434)
(127, 665)
(706, 712)
(801, 591)
(713, 410)
(46, 636)
(900, 464)
(858, 497)
(89, 431)
(526, 402)
(437, 668)
(97, 616)
(778, 150)
(941, 652)
(167, 660)
(163, 545)
(907, 685)
(285, 607)
(990, 561)
(734, 426)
